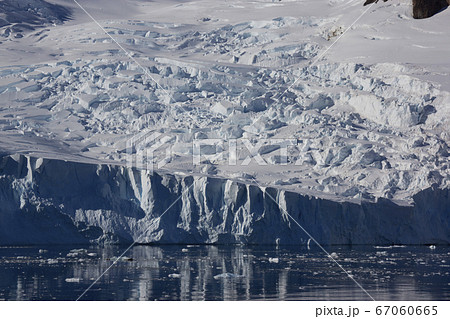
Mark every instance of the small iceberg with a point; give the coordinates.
(73, 280)
(274, 260)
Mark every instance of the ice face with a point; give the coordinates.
(107, 203)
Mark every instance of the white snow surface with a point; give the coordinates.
(368, 116)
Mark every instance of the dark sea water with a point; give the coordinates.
(224, 273)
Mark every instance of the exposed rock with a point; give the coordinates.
(426, 8)
(372, 1)
(423, 8)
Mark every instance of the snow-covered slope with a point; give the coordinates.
(367, 119)
(22, 16)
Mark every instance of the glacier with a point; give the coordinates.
(367, 119)
(52, 201)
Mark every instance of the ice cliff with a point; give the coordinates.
(56, 201)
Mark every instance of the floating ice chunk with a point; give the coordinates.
(174, 276)
(43, 251)
(274, 260)
(77, 252)
(334, 255)
(432, 247)
(185, 250)
(75, 280)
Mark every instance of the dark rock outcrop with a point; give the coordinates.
(427, 8)
(423, 8)
(372, 1)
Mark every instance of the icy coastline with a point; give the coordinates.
(62, 202)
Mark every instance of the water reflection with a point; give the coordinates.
(223, 273)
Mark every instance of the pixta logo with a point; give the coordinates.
(153, 150)
(143, 147)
